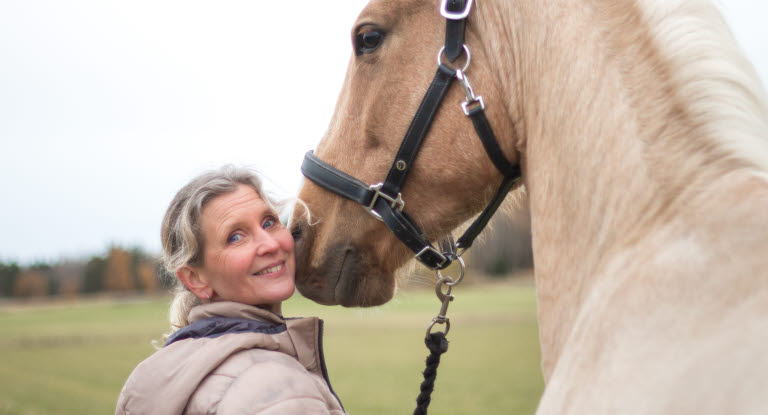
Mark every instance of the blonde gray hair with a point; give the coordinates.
(181, 234)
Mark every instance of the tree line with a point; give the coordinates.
(505, 249)
(120, 270)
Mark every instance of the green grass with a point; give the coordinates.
(73, 358)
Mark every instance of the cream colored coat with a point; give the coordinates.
(238, 373)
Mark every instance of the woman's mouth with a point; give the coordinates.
(271, 270)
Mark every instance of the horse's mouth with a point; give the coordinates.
(347, 279)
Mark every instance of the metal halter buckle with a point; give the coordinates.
(455, 15)
(442, 257)
(396, 203)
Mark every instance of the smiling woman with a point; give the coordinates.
(196, 251)
(247, 255)
(229, 348)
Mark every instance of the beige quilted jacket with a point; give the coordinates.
(234, 359)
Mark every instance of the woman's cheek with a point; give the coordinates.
(286, 240)
(237, 261)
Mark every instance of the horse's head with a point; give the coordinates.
(345, 256)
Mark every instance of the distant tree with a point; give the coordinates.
(8, 275)
(506, 245)
(41, 266)
(54, 287)
(147, 274)
(47, 271)
(499, 267)
(68, 276)
(93, 275)
(144, 268)
(31, 283)
(118, 276)
(143, 278)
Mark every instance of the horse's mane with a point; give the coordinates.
(719, 85)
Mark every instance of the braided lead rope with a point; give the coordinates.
(436, 342)
(437, 345)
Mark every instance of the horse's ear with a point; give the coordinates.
(195, 282)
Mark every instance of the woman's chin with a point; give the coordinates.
(278, 292)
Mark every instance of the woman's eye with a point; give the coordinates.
(368, 41)
(234, 238)
(269, 222)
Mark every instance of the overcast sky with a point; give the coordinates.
(108, 107)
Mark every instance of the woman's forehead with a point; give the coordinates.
(230, 206)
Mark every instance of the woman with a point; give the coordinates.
(229, 350)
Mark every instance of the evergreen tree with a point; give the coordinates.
(8, 275)
(93, 276)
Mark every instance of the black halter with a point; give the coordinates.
(383, 200)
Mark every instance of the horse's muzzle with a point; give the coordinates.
(342, 276)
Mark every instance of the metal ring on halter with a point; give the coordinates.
(447, 322)
(448, 280)
(466, 50)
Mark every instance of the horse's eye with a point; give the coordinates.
(368, 40)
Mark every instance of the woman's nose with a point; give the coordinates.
(266, 244)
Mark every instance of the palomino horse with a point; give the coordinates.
(641, 132)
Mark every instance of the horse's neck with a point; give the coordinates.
(611, 150)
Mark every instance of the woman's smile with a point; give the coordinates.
(271, 271)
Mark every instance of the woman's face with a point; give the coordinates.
(248, 253)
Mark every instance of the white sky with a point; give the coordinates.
(108, 107)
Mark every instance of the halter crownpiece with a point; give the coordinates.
(384, 200)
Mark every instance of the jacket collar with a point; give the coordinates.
(234, 310)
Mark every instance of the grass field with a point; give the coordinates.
(73, 358)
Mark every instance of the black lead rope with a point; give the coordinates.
(437, 345)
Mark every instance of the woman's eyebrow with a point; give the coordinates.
(228, 225)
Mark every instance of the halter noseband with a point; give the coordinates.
(383, 200)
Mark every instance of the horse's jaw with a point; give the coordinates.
(343, 277)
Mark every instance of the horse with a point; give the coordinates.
(641, 132)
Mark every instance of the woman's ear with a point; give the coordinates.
(194, 282)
